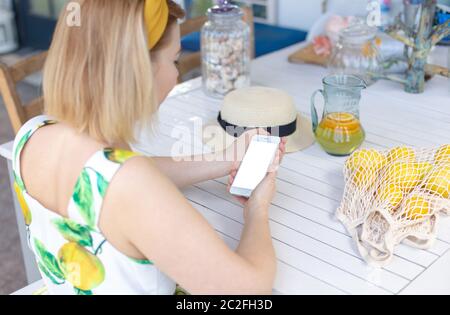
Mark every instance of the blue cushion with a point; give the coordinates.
(443, 17)
(191, 42)
(272, 38)
(268, 38)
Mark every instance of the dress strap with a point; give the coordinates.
(22, 137)
(90, 189)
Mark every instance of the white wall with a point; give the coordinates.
(299, 14)
(302, 14)
(6, 4)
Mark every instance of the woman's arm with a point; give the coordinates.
(165, 228)
(193, 170)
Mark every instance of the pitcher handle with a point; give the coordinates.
(314, 116)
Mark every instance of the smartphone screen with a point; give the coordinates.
(255, 164)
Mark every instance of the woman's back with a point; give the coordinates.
(62, 201)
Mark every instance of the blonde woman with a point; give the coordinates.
(100, 218)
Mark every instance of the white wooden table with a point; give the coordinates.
(315, 253)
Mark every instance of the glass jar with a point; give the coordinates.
(356, 53)
(225, 51)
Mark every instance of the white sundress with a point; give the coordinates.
(72, 254)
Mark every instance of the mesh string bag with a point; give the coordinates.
(394, 197)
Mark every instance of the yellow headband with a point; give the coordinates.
(156, 15)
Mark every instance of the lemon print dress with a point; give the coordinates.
(72, 254)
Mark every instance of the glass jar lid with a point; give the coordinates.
(358, 33)
(225, 10)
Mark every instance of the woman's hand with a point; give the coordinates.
(264, 193)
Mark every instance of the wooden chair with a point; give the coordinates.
(9, 77)
(191, 61)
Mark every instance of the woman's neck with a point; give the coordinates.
(121, 145)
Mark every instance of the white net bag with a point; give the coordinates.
(395, 196)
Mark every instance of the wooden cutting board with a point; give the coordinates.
(307, 55)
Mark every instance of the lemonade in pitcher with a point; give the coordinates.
(339, 132)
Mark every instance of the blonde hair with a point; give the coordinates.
(98, 76)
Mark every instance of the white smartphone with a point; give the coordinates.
(254, 166)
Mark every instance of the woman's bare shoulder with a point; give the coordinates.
(137, 175)
(141, 188)
(137, 194)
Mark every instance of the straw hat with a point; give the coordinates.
(259, 107)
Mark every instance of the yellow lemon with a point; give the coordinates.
(406, 175)
(442, 155)
(416, 207)
(364, 177)
(401, 153)
(367, 158)
(23, 205)
(424, 168)
(81, 268)
(391, 194)
(438, 181)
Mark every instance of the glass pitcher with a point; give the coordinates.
(339, 132)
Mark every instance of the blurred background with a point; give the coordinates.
(36, 18)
